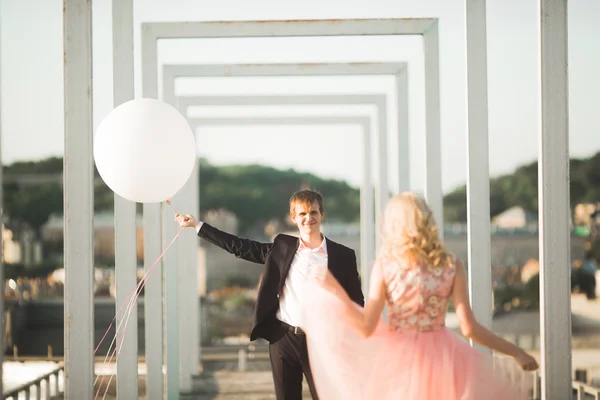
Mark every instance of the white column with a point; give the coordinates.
(173, 264)
(78, 201)
(168, 91)
(125, 211)
(187, 256)
(553, 172)
(192, 243)
(188, 302)
(172, 271)
(153, 295)
(367, 220)
(188, 289)
(433, 150)
(153, 305)
(478, 176)
(403, 131)
(381, 195)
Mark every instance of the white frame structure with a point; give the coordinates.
(78, 176)
(125, 210)
(478, 172)
(188, 337)
(398, 70)
(554, 207)
(190, 191)
(186, 254)
(553, 162)
(379, 101)
(152, 32)
(366, 196)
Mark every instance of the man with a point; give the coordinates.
(288, 261)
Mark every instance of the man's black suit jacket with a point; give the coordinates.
(277, 258)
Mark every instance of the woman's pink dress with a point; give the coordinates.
(414, 357)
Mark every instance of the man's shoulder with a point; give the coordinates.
(284, 238)
(340, 247)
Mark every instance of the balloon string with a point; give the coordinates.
(130, 301)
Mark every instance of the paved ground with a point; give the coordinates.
(253, 385)
(221, 385)
(257, 384)
(222, 381)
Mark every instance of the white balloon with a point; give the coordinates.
(145, 150)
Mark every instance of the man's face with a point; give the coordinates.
(308, 219)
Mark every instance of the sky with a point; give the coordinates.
(32, 81)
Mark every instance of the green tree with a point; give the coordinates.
(593, 171)
(521, 189)
(33, 204)
(257, 194)
(51, 165)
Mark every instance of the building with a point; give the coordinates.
(25, 249)
(11, 250)
(104, 235)
(516, 217)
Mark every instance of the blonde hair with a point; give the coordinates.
(409, 232)
(306, 198)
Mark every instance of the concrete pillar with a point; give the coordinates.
(554, 211)
(125, 212)
(78, 200)
(478, 175)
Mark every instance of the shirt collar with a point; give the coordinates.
(322, 246)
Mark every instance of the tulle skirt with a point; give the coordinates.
(437, 364)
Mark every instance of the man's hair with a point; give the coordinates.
(307, 198)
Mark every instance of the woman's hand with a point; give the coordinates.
(527, 362)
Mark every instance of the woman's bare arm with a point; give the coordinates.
(473, 330)
(374, 306)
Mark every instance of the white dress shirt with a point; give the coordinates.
(304, 261)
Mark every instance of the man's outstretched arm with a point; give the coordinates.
(245, 249)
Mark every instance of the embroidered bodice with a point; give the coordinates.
(418, 295)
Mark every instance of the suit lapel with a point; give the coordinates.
(287, 261)
(330, 254)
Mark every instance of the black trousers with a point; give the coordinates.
(289, 360)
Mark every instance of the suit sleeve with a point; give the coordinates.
(245, 249)
(354, 285)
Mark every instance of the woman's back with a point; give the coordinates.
(413, 356)
(417, 294)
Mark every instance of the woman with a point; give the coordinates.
(354, 354)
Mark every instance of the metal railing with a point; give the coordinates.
(584, 391)
(581, 389)
(47, 381)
